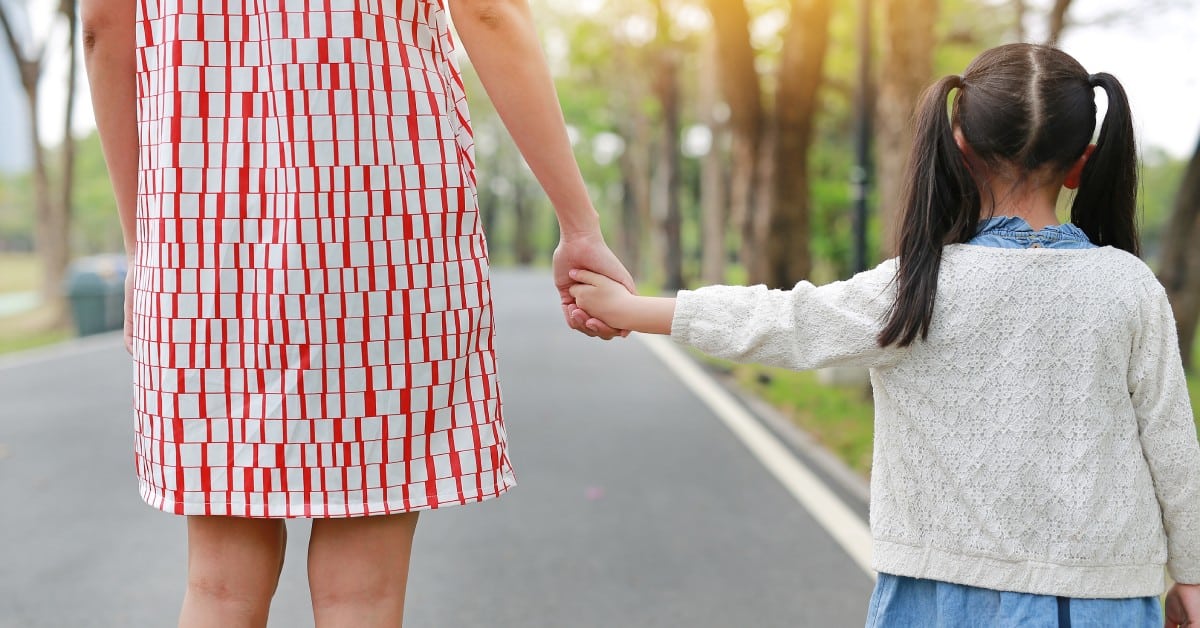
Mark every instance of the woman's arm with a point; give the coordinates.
(500, 37)
(109, 50)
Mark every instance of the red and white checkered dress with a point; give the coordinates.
(312, 316)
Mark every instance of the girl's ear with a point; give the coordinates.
(961, 141)
(1075, 174)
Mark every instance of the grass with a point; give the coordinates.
(19, 272)
(841, 419)
(29, 330)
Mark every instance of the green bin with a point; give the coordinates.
(96, 294)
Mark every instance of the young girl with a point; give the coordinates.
(1035, 461)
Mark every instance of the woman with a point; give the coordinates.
(309, 311)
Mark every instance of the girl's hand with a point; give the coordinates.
(1183, 606)
(603, 298)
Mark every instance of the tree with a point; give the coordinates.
(800, 76)
(770, 191)
(907, 67)
(53, 223)
(1058, 21)
(714, 196)
(1180, 267)
(742, 91)
(668, 214)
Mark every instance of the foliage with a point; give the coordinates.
(95, 227)
(16, 213)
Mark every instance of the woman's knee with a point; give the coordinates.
(235, 561)
(352, 562)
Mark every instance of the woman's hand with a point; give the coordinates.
(130, 282)
(1183, 606)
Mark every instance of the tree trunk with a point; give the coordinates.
(61, 222)
(668, 217)
(800, 76)
(634, 163)
(1058, 21)
(1019, 10)
(1180, 267)
(50, 235)
(668, 214)
(523, 244)
(713, 192)
(742, 92)
(907, 67)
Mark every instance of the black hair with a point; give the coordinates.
(1024, 108)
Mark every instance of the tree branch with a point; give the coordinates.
(1058, 21)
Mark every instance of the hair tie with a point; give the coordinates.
(959, 81)
(1094, 80)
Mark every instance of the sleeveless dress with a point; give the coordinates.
(313, 329)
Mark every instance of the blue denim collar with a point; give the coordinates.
(1014, 227)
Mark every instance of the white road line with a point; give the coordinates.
(831, 512)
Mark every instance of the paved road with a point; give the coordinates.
(636, 507)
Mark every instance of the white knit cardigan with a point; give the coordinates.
(1040, 440)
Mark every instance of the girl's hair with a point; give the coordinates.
(1022, 109)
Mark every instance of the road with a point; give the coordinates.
(636, 506)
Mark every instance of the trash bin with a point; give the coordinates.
(96, 293)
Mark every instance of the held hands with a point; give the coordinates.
(615, 307)
(1183, 606)
(608, 301)
(587, 251)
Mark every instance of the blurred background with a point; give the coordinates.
(723, 140)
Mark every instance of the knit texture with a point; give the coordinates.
(1040, 440)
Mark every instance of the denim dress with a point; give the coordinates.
(904, 602)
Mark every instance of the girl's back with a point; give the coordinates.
(1017, 446)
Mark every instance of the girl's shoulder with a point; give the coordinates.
(1106, 267)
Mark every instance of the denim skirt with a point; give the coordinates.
(903, 602)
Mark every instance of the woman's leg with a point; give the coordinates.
(233, 569)
(358, 570)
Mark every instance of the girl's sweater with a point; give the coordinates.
(1040, 440)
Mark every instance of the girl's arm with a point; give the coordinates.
(1166, 427)
(500, 37)
(806, 327)
(109, 50)
(610, 302)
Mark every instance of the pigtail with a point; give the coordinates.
(1106, 204)
(941, 206)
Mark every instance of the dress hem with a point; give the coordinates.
(368, 509)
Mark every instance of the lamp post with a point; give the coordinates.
(863, 108)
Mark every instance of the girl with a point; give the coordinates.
(1035, 460)
(309, 310)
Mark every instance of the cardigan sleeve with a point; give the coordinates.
(1167, 429)
(806, 327)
